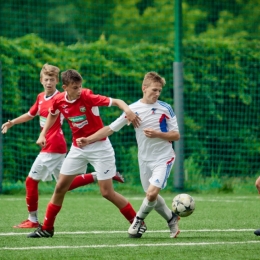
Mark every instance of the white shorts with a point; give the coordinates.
(47, 165)
(99, 154)
(155, 173)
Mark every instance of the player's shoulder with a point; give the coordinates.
(41, 95)
(59, 95)
(87, 91)
(165, 106)
(135, 104)
(162, 103)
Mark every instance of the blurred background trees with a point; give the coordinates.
(129, 21)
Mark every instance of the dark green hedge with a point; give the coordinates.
(221, 94)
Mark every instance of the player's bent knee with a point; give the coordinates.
(151, 196)
(257, 184)
(106, 195)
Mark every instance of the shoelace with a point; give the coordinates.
(137, 223)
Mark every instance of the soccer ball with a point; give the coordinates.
(183, 205)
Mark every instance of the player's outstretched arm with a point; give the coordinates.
(130, 115)
(48, 124)
(100, 134)
(18, 120)
(168, 136)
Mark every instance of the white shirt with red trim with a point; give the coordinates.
(55, 141)
(158, 116)
(82, 114)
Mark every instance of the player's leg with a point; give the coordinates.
(56, 201)
(31, 187)
(257, 184)
(103, 162)
(88, 178)
(171, 218)
(153, 177)
(163, 169)
(53, 207)
(78, 181)
(108, 192)
(146, 207)
(82, 180)
(74, 162)
(135, 230)
(43, 167)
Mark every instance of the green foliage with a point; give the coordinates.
(223, 76)
(221, 96)
(124, 23)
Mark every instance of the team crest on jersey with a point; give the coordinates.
(82, 109)
(153, 110)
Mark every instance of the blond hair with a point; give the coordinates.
(153, 77)
(50, 70)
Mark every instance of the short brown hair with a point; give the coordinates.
(153, 77)
(70, 76)
(50, 70)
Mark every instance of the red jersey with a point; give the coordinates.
(55, 141)
(82, 113)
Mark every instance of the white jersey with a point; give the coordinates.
(158, 116)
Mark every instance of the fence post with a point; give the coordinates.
(178, 99)
(1, 138)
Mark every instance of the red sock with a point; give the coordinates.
(51, 213)
(81, 180)
(31, 194)
(128, 212)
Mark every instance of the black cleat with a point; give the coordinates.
(39, 232)
(257, 232)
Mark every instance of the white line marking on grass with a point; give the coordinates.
(118, 232)
(218, 199)
(131, 245)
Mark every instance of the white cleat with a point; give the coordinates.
(137, 228)
(173, 226)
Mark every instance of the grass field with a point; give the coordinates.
(89, 227)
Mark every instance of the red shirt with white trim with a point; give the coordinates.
(82, 114)
(55, 141)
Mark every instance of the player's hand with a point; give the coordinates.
(41, 141)
(133, 118)
(82, 141)
(6, 126)
(150, 133)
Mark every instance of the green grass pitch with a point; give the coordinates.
(89, 227)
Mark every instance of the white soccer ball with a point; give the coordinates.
(183, 205)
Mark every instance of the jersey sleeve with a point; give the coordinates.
(54, 107)
(173, 124)
(96, 100)
(34, 109)
(119, 123)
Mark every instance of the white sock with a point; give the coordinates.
(33, 216)
(146, 207)
(162, 209)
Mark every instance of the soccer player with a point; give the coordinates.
(80, 107)
(49, 160)
(157, 130)
(257, 184)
